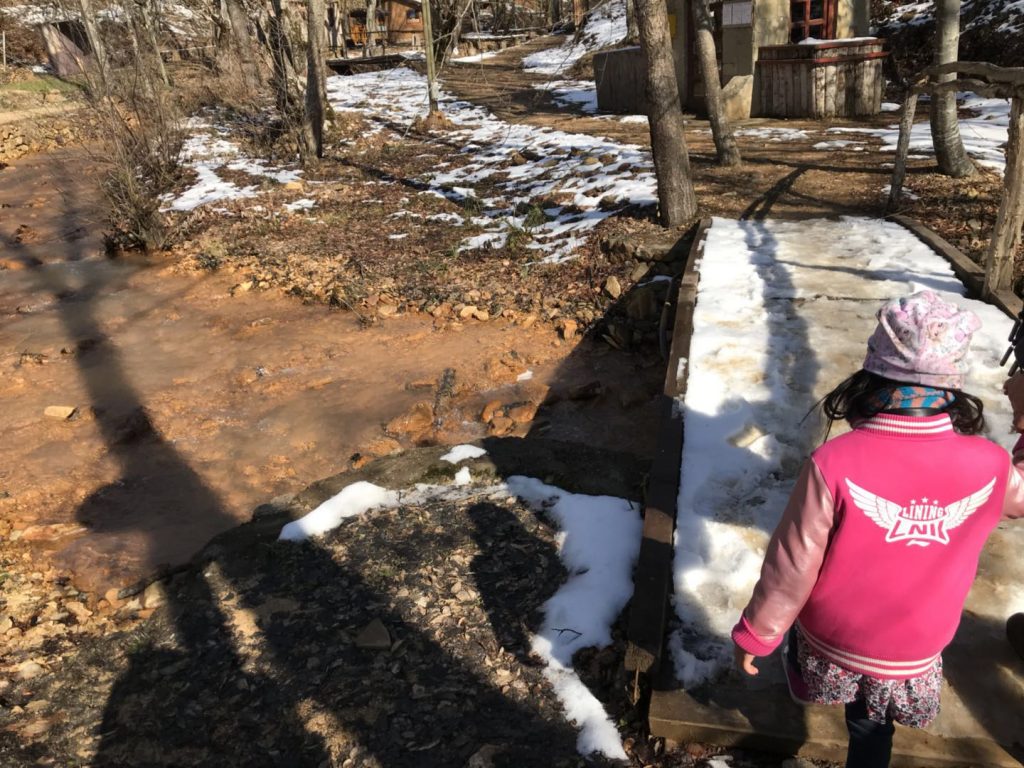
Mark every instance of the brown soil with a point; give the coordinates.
(196, 400)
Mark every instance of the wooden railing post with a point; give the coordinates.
(1007, 232)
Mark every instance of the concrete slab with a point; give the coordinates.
(831, 286)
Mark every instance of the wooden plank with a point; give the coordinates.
(969, 273)
(767, 720)
(1006, 233)
(652, 579)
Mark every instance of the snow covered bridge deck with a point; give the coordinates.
(782, 314)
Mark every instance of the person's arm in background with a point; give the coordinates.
(790, 570)
(1013, 504)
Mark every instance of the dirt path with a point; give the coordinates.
(20, 115)
(195, 402)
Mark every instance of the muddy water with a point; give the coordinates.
(194, 405)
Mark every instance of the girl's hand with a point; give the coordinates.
(1013, 388)
(744, 661)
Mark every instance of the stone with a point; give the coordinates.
(567, 329)
(489, 410)
(613, 287)
(292, 186)
(374, 636)
(28, 670)
(638, 273)
(468, 311)
(154, 596)
(419, 419)
(522, 414)
(586, 391)
(481, 314)
(79, 611)
(516, 158)
(528, 320)
(501, 424)
(382, 446)
(642, 303)
(737, 97)
(111, 597)
(589, 160)
(387, 310)
(61, 412)
(484, 757)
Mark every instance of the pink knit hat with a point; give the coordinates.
(921, 339)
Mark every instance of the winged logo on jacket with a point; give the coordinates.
(922, 521)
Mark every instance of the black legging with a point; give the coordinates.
(870, 741)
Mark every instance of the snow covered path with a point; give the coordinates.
(783, 313)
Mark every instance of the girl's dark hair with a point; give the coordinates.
(861, 396)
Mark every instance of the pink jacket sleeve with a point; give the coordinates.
(791, 565)
(1013, 504)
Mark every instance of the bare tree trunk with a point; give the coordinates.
(725, 143)
(475, 19)
(313, 124)
(554, 11)
(371, 27)
(241, 42)
(428, 48)
(453, 39)
(151, 21)
(95, 42)
(899, 169)
(346, 28)
(949, 147)
(632, 33)
(1007, 233)
(676, 198)
(285, 82)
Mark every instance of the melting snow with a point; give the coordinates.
(984, 136)
(206, 153)
(598, 542)
(581, 94)
(525, 163)
(605, 26)
(757, 365)
(462, 452)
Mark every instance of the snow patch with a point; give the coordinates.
(598, 544)
(353, 500)
(461, 453)
(603, 27)
(592, 177)
(984, 135)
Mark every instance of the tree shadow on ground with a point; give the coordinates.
(252, 660)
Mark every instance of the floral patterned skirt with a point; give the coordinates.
(913, 703)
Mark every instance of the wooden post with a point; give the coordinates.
(428, 46)
(1007, 232)
(899, 169)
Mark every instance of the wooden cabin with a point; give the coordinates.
(404, 22)
(399, 22)
(778, 58)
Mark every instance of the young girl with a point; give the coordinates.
(870, 565)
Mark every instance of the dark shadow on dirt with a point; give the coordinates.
(507, 581)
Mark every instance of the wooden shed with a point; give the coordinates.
(404, 22)
(747, 31)
(841, 78)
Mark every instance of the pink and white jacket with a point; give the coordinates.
(879, 544)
